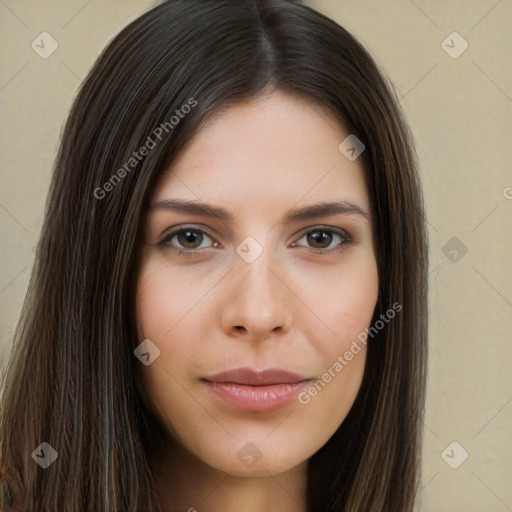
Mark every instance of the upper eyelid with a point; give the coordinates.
(343, 233)
(182, 227)
(326, 227)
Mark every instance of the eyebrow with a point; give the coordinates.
(299, 214)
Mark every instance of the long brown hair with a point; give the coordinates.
(73, 380)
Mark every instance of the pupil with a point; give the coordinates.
(188, 237)
(316, 238)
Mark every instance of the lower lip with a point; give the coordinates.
(257, 398)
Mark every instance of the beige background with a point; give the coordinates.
(460, 113)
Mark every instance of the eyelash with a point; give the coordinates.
(346, 240)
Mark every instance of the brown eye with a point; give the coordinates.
(319, 239)
(189, 238)
(325, 239)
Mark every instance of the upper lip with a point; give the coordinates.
(254, 377)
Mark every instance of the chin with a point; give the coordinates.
(242, 458)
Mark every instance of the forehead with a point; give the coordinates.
(277, 149)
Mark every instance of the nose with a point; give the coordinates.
(257, 303)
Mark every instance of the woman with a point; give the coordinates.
(228, 304)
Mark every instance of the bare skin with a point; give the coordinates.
(295, 306)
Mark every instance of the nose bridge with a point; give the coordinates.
(258, 281)
(257, 302)
(253, 263)
(257, 278)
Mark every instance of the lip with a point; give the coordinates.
(256, 390)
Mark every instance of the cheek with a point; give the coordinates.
(151, 304)
(165, 298)
(162, 318)
(166, 321)
(344, 300)
(356, 300)
(347, 309)
(171, 313)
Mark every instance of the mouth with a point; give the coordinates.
(255, 390)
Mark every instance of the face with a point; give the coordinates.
(252, 297)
